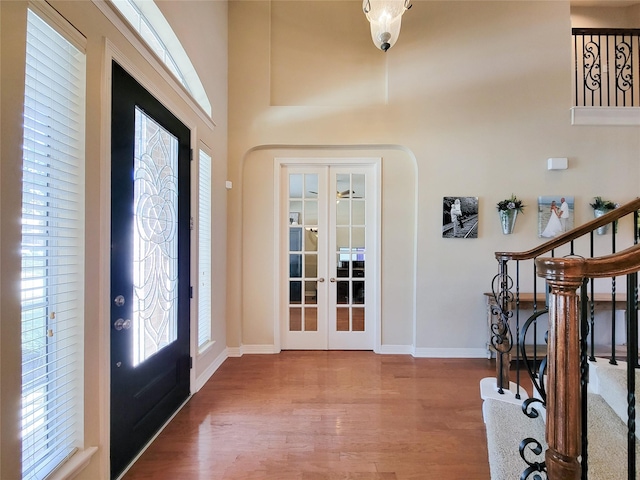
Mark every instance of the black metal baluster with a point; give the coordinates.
(608, 76)
(633, 103)
(517, 328)
(535, 324)
(592, 310)
(632, 360)
(575, 67)
(612, 360)
(584, 74)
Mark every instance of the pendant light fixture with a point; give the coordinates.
(385, 17)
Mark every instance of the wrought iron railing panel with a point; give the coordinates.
(606, 63)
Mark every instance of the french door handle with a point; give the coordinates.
(332, 280)
(321, 280)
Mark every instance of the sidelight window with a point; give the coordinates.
(52, 292)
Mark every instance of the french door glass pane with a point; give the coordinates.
(295, 319)
(303, 264)
(155, 242)
(351, 251)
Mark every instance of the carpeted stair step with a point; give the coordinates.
(507, 426)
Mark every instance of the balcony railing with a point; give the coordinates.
(606, 63)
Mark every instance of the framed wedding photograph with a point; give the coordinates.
(460, 217)
(555, 215)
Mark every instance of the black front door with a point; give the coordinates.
(150, 227)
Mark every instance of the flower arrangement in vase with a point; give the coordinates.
(600, 207)
(508, 210)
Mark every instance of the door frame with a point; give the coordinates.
(280, 213)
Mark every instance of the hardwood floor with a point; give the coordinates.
(328, 415)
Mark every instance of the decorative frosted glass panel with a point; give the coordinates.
(358, 212)
(155, 242)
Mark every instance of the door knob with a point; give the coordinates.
(332, 280)
(121, 324)
(321, 280)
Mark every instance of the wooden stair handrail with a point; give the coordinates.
(577, 232)
(617, 264)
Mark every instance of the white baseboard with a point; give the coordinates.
(211, 369)
(234, 352)
(249, 349)
(450, 353)
(395, 350)
(383, 350)
(258, 349)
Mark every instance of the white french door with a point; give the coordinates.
(329, 257)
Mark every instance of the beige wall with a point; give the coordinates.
(479, 93)
(208, 52)
(259, 250)
(606, 17)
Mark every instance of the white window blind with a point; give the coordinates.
(204, 250)
(52, 249)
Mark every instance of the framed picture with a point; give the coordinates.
(460, 217)
(555, 215)
(294, 218)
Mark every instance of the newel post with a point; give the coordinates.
(564, 408)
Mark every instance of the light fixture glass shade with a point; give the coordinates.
(385, 17)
